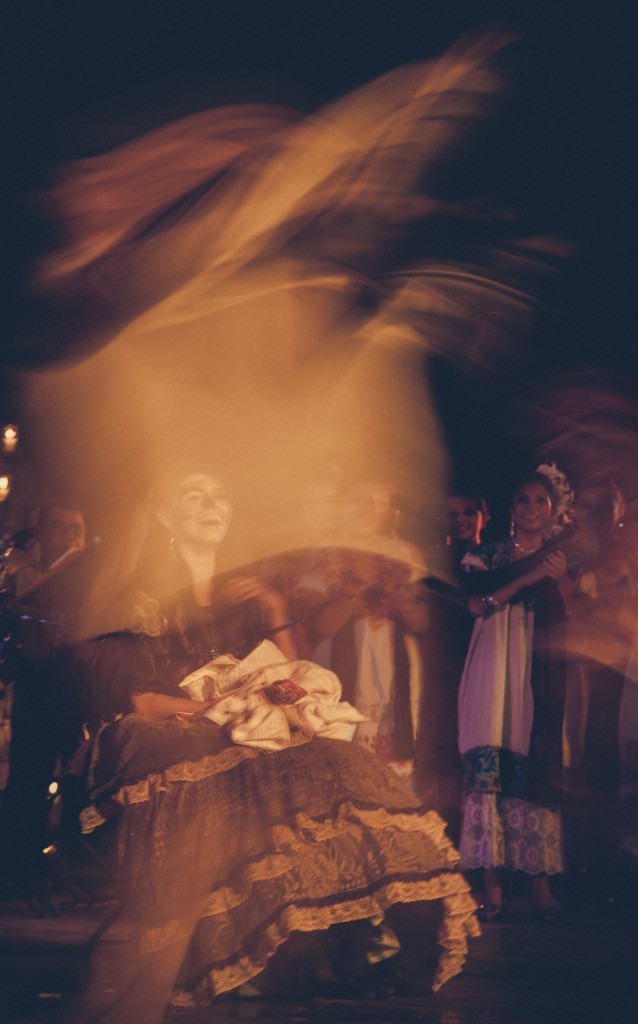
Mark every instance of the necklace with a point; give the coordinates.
(525, 551)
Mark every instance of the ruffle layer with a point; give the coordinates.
(267, 881)
(270, 843)
(458, 924)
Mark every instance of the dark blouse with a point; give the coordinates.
(110, 669)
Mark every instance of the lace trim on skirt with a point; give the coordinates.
(327, 872)
(458, 924)
(267, 843)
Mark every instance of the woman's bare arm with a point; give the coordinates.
(553, 566)
(163, 705)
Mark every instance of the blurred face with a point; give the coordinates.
(200, 511)
(531, 508)
(321, 510)
(63, 529)
(465, 519)
(595, 509)
(368, 510)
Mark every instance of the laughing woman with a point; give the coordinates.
(223, 850)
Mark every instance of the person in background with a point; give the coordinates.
(60, 531)
(321, 559)
(600, 639)
(367, 629)
(46, 592)
(439, 764)
(511, 699)
(468, 517)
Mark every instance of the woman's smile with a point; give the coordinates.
(532, 508)
(203, 510)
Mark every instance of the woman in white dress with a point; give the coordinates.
(511, 704)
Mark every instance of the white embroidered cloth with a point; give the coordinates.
(237, 689)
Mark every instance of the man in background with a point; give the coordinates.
(46, 584)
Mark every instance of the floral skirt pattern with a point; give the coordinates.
(512, 834)
(318, 834)
(501, 828)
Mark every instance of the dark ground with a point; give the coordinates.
(580, 969)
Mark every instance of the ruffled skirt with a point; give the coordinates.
(300, 839)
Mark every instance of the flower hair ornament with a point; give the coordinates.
(564, 496)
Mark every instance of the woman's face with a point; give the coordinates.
(200, 511)
(532, 508)
(465, 519)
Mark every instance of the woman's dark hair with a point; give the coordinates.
(477, 499)
(538, 478)
(176, 469)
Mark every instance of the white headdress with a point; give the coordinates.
(563, 495)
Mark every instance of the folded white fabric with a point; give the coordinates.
(259, 717)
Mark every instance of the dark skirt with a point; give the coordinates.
(297, 840)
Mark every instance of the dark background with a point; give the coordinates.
(82, 77)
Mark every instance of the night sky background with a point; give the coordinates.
(81, 77)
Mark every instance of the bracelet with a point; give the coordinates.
(490, 603)
(279, 629)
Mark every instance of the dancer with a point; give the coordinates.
(224, 850)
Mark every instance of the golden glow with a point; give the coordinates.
(266, 334)
(5, 487)
(9, 438)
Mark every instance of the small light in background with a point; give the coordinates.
(9, 438)
(53, 788)
(5, 487)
